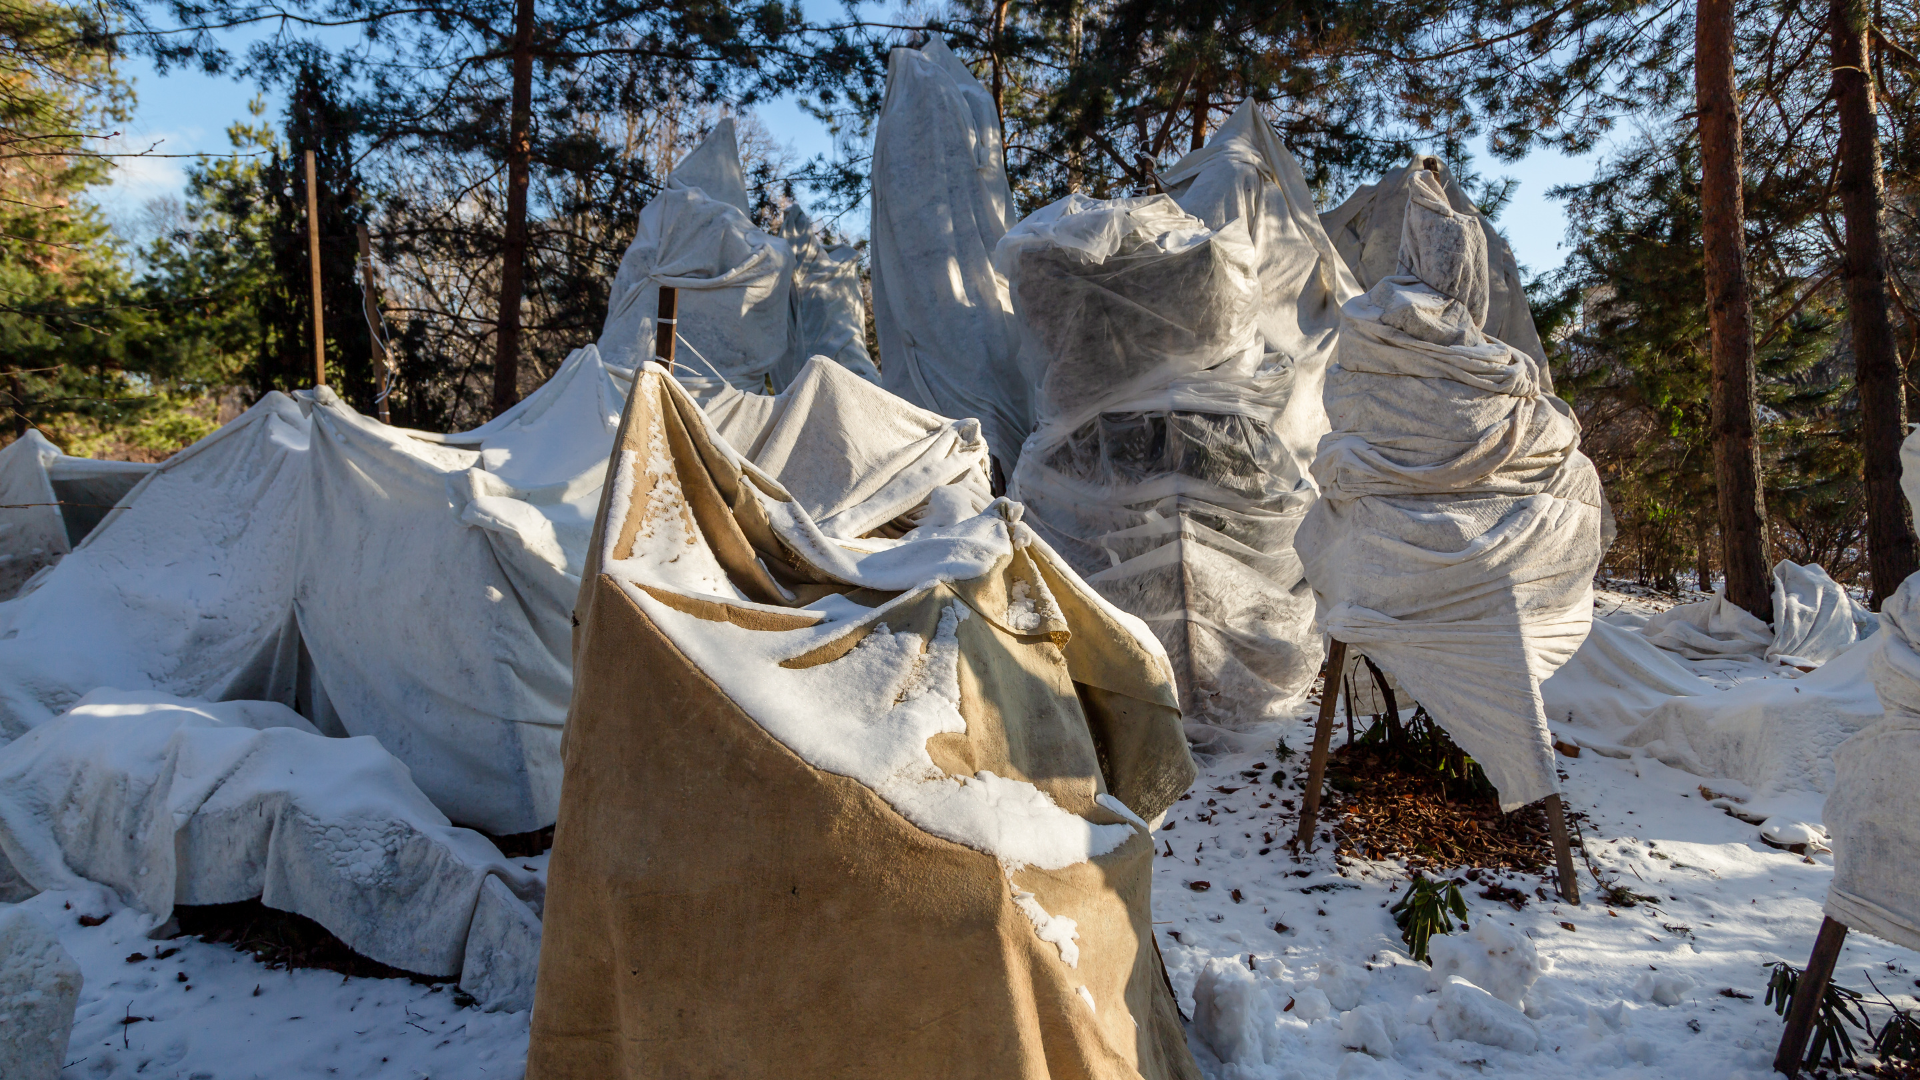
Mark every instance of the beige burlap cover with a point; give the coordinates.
(718, 906)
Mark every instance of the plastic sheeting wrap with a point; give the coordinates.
(940, 204)
(50, 502)
(733, 280)
(1873, 812)
(828, 316)
(1156, 469)
(1459, 525)
(213, 804)
(1366, 231)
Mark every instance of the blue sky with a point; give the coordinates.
(188, 113)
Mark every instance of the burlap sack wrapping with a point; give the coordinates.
(721, 906)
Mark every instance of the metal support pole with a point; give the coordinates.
(313, 258)
(1322, 736)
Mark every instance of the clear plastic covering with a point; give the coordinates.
(1157, 468)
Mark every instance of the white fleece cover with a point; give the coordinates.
(855, 456)
(1873, 808)
(733, 280)
(827, 315)
(940, 204)
(1159, 468)
(1365, 229)
(212, 804)
(1459, 525)
(417, 588)
(1814, 620)
(1245, 173)
(868, 714)
(50, 501)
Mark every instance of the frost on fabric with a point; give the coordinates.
(868, 716)
(1028, 608)
(667, 546)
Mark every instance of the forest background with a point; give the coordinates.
(497, 153)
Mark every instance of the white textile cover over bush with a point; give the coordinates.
(1158, 468)
(858, 459)
(1366, 231)
(167, 802)
(827, 315)
(1873, 811)
(1814, 620)
(50, 502)
(732, 280)
(413, 587)
(940, 204)
(1458, 527)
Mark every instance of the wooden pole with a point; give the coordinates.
(370, 305)
(313, 259)
(1807, 995)
(1562, 848)
(1322, 736)
(666, 326)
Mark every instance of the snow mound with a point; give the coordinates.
(1369, 1028)
(1232, 1011)
(1470, 1014)
(1343, 983)
(1662, 987)
(208, 808)
(39, 989)
(1499, 960)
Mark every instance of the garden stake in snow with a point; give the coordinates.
(1806, 998)
(1569, 884)
(1322, 736)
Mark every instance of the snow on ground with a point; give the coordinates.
(1626, 992)
(1727, 905)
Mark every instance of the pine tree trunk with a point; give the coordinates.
(1890, 540)
(1736, 453)
(506, 357)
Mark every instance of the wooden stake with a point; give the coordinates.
(1562, 848)
(1322, 736)
(313, 258)
(1807, 995)
(370, 305)
(666, 326)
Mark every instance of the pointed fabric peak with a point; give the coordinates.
(714, 168)
(1443, 247)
